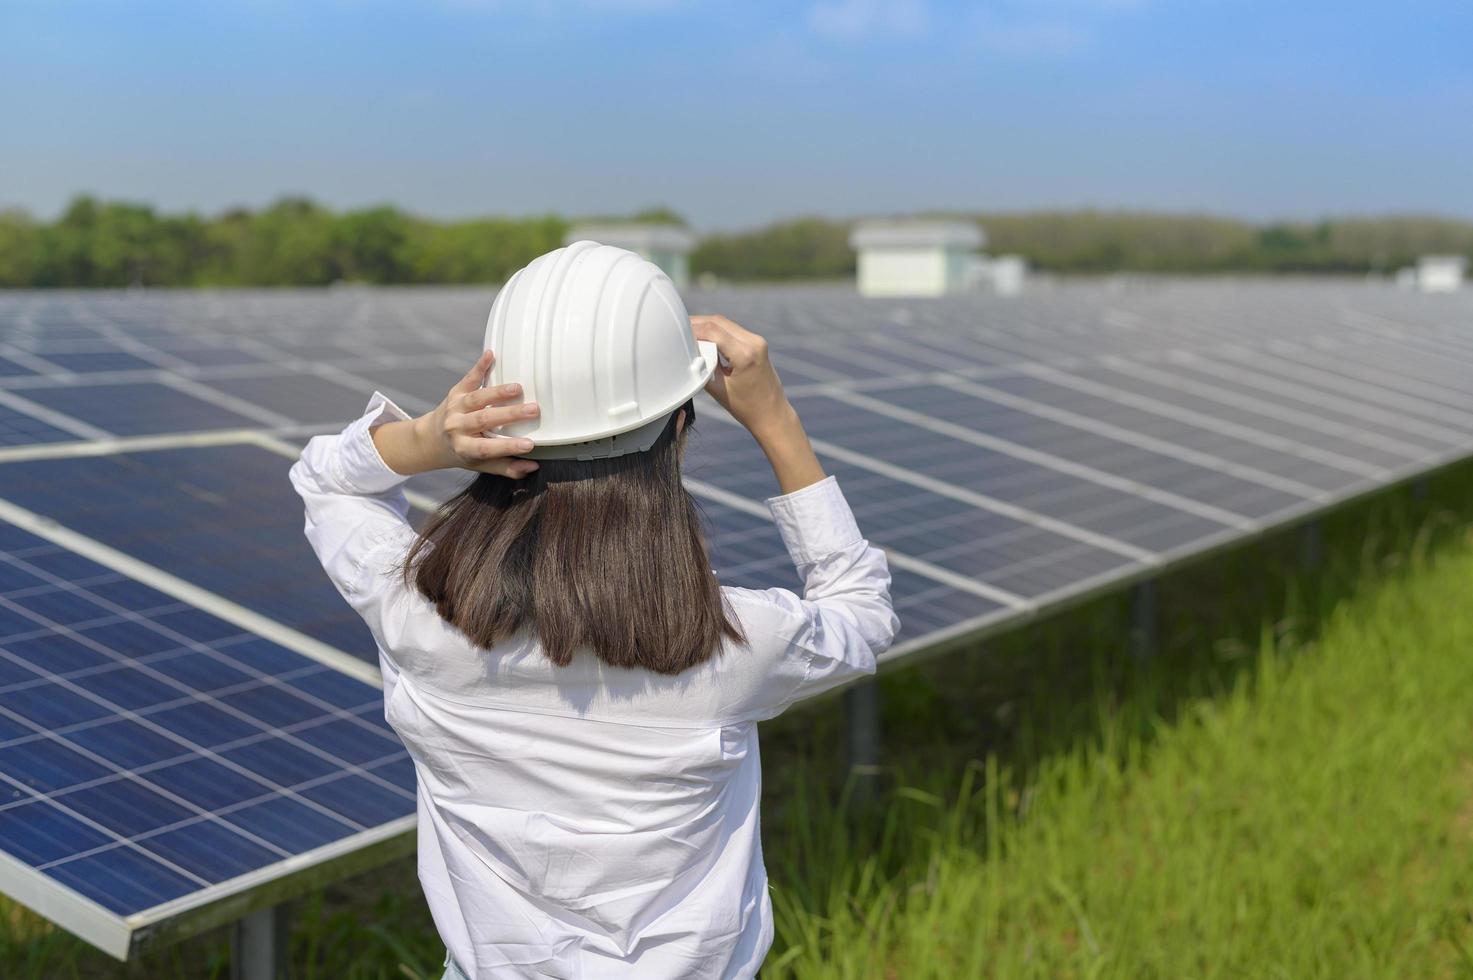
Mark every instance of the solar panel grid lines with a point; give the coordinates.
(25, 421)
(1370, 418)
(747, 549)
(1115, 435)
(1000, 551)
(1089, 511)
(1236, 431)
(1339, 361)
(1354, 438)
(1061, 464)
(217, 396)
(1457, 357)
(189, 593)
(109, 827)
(861, 460)
(1436, 381)
(1317, 373)
(29, 361)
(897, 558)
(1012, 455)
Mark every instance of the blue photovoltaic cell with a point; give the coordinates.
(425, 386)
(20, 429)
(208, 356)
(83, 362)
(137, 409)
(306, 398)
(1008, 554)
(148, 770)
(1194, 481)
(1262, 415)
(1090, 506)
(148, 749)
(223, 517)
(1166, 425)
(747, 552)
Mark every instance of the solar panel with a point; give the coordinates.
(20, 429)
(298, 395)
(1011, 454)
(222, 517)
(747, 552)
(136, 409)
(156, 760)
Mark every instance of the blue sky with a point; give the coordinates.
(738, 112)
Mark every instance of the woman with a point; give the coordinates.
(579, 696)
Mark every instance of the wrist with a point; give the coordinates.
(402, 446)
(777, 426)
(426, 447)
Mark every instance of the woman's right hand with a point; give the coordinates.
(747, 386)
(454, 435)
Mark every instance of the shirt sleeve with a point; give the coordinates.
(356, 511)
(844, 619)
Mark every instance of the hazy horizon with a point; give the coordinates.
(774, 219)
(738, 114)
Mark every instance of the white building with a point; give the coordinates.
(915, 258)
(665, 245)
(1441, 273)
(1003, 274)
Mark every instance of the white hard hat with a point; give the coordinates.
(599, 338)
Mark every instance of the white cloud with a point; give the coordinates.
(854, 20)
(1044, 28)
(1017, 28)
(1030, 38)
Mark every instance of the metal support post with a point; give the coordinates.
(1419, 490)
(258, 946)
(1144, 621)
(862, 738)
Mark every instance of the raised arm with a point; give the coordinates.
(747, 386)
(349, 482)
(844, 619)
(454, 434)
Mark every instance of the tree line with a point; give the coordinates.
(297, 242)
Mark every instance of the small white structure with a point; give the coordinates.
(667, 246)
(1441, 273)
(915, 258)
(1003, 274)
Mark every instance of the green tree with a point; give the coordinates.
(20, 249)
(371, 245)
(296, 242)
(805, 248)
(290, 243)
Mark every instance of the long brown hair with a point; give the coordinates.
(605, 555)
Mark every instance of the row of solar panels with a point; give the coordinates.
(172, 705)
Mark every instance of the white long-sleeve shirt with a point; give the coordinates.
(589, 821)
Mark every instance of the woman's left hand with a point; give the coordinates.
(454, 434)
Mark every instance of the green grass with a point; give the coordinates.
(1284, 790)
(1313, 820)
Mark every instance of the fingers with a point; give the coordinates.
(497, 455)
(475, 375)
(492, 418)
(739, 346)
(481, 397)
(514, 469)
(717, 329)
